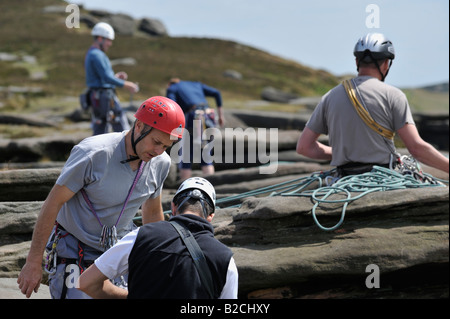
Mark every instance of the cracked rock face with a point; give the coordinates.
(281, 253)
(279, 250)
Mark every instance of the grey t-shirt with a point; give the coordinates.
(350, 138)
(94, 164)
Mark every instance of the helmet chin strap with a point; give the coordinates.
(369, 54)
(101, 43)
(197, 195)
(134, 142)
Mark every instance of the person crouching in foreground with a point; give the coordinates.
(158, 263)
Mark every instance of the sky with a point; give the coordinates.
(320, 34)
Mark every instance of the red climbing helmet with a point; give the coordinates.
(163, 114)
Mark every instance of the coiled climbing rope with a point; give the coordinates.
(350, 187)
(357, 186)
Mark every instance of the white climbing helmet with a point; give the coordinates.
(193, 184)
(103, 29)
(374, 46)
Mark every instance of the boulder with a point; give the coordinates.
(232, 74)
(55, 148)
(88, 19)
(27, 184)
(276, 243)
(23, 120)
(269, 119)
(275, 95)
(128, 61)
(54, 9)
(18, 218)
(12, 258)
(433, 128)
(123, 24)
(279, 250)
(281, 253)
(153, 27)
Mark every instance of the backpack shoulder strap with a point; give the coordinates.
(197, 255)
(363, 114)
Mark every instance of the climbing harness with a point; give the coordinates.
(207, 118)
(104, 105)
(108, 238)
(51, 260)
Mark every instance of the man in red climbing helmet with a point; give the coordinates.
(104, 182)
(158, 113)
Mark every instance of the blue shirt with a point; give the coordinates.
(188, 94)
(99, 73)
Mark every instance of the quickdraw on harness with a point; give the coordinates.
(53, 260)
(52, 256)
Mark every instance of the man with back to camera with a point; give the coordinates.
(354, 146)
(191, 96)
(157, 261)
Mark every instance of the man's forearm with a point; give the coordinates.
(95, 284)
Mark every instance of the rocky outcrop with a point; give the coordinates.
(153, 27)
(27, 184)
(277, 244)
(279, 250)
(23, 120)
(55, 148)
(433, 128)
(274, 95)
(123, 24)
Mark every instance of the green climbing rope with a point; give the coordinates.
(356, 186)
(352, 187)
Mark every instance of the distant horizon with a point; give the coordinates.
(430, 84)
(294, 30)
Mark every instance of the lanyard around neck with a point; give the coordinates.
(130, 191)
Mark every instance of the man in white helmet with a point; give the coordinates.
(359, 142)
(157, 260)
(101, 81)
